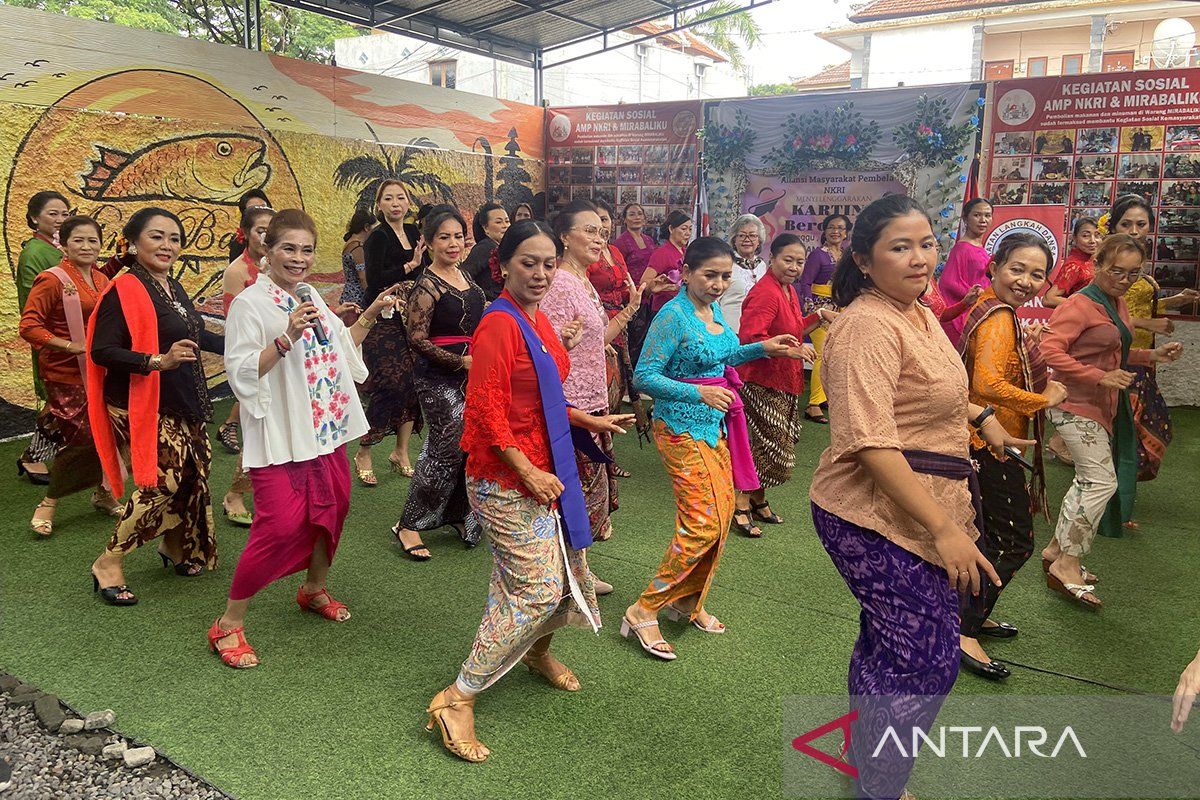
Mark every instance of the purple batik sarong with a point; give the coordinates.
(906, 658)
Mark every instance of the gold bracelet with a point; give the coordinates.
(156, 363)
(367, 325)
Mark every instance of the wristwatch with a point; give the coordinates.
(977, 423)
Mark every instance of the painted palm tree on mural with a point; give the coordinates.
(393, 163)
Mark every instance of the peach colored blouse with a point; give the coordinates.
(891, 385)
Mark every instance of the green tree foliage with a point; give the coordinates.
(288, 31)
(730, 34)
(767, 89)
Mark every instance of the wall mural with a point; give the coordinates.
(190, 126)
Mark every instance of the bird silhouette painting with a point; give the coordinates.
(6, 76)
(258, 88)
(36, 62)
(279, 97)
(284, 119)
(274, 108)
(25, 84)
(60, 74)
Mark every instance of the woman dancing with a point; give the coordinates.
(699, 426)
(966, 264)
(523, 486)
(816, 291)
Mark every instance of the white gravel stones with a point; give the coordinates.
(139, 756)
(99, 719)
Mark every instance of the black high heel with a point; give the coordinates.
(36, 478)
(112, 594)
(183, 570)
(770, 519)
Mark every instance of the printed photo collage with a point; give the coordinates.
(660, 177)
(1085, 168)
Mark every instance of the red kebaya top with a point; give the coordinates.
(770, 309)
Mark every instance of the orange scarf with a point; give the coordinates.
(142, 321)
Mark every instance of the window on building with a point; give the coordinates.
(1072, 65)
(443, 73)
(1035, 68)
(1120, 61)
(997, 70)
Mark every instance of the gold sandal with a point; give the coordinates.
(367, 477)
(564, 680)
(471, 749)
(102, 504)
(42, 527)
(404, 469)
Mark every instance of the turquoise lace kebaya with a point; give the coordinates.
(679, 345)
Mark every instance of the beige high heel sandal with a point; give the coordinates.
(42, 527)
(471, 749)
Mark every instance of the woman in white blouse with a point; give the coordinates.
(746, 237)
(292, 364)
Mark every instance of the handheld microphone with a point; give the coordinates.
(305, 294)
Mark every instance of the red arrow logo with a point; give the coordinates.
(841, 723)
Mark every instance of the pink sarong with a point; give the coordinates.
(737, 434)
(293, 505)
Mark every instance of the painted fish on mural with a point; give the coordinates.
(206, 168)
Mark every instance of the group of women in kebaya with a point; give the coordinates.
(515, 345)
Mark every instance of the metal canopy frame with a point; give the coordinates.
(541, 26)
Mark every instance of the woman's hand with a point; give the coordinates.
(783, 345)
(827, 315)
(184, 351)
(662, 283)
(635, 296)
(571, 333)
(1181, 298)
(75, 348)
(418, 254)
(613, 423)
(1185, 694)
(300, 319)
(466, 363)
(1055, 394)
(997, 438)
(347, 309)
(1165, 353)
(544, 486)
(972, 294)
(1160, 325)
(806, 352)
(1117, 379)
(1034, 331)
(388, 298)
(717, 397)
(965, 566)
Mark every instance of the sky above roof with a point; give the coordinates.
(790, 48)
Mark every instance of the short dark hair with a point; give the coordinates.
(785, 240)
(674, 220)
(825, 224)
(1123, 205)
(38, 202)
(479, 222)
(1081, 223)
(253, 194)
(703, 249)
(137, 223)
(848, 280)
(289, 219)
(969, 206)
(77, 221)
(565, 219)
(603, 205)
(1015, 241)
(253, 213)
(360, 220)
(527, 206)
(625, 210)
(438, 217)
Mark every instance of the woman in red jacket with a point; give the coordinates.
(772, 389)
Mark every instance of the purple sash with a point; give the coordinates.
(737, 434)
(564, 439)
(943, 466)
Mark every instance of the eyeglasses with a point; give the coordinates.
(590, 230)
(747, 236)
(1122, 275)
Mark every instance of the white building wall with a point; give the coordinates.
(920, 56)
(618, 76)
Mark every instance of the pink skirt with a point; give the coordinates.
(294, 504)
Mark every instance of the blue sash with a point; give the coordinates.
(564, 439)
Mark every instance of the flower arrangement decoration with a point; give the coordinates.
(841, 139)
(727, 147)
(930, 138)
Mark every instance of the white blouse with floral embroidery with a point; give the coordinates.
(306, 405)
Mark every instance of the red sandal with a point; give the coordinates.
(232, 656)
(328, 611)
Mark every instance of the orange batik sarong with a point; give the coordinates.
(702, 478)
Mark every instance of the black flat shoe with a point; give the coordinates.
(746, 528)
(993, 670)
(36, 478)
(756, 510)
(112, 594)
(1001, 630)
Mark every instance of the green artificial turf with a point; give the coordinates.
(335, 711)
